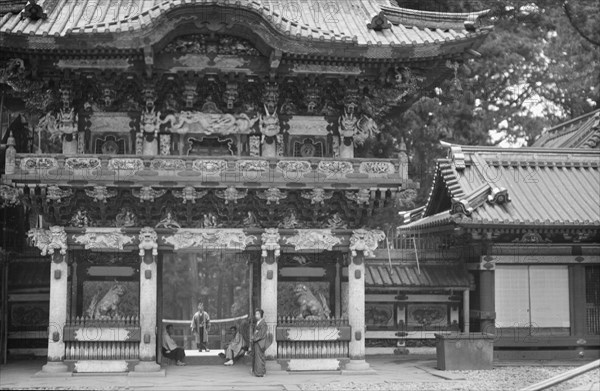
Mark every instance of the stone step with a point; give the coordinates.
(193, 357)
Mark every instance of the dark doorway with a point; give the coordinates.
(219, 279)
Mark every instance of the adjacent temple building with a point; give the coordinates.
(178, 127)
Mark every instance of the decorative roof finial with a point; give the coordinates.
(379, 22)
(33, 11)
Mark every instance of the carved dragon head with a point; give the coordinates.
(269, 124)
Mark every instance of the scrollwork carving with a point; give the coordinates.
(319, 240)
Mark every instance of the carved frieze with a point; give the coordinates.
(327, 69)
(210, 167)
(294, 168)
(205, 44)
(232, 239)
(317, 196)
(366, 241)
(49, 240)
(361, 197)
(38, 163)
(99, 63)
(56, 194)
(147, 193)
(102, 238)
(148, 241)
(126, 164)
(318, 239)
(231, 194)
(272, 195)
(376, 168)
(168, 164)
(270, 242)
(252, 165)
(189, 193)
(308, 125)
(79, 163)
(100, 193)
(332, 168)
(209, 123)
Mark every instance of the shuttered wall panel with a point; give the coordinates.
(512, 296)
(549, 289)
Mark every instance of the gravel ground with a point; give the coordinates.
(504, 379)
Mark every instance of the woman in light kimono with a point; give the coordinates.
(259, 344)
(200, 326)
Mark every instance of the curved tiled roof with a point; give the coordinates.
(413, 276)
(580, 132)
(338, 21)
(548, 188)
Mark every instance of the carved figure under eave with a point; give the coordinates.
(81, 219)
(126, 218)
(309, 306)
(108, 306)
(290, 221)
(336, 222)
(251, 221)
(168, 221)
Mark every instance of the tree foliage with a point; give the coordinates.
(539, 66)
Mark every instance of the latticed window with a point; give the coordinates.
(592, 299)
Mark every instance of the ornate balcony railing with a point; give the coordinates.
(209, 171)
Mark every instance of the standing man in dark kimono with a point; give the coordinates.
(200, 326)
(259, 344)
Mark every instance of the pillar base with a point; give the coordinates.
(55, 367)
(147, 366)
(358, 367)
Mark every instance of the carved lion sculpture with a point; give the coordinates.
(108, 306)
(309, 306)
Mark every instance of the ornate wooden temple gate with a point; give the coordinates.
(105, 343)
(189, 125)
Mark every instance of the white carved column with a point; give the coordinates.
(48, 241)
(268, 295)
(148, 289)
(356, 312)
(362, 243)
(58, 314)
